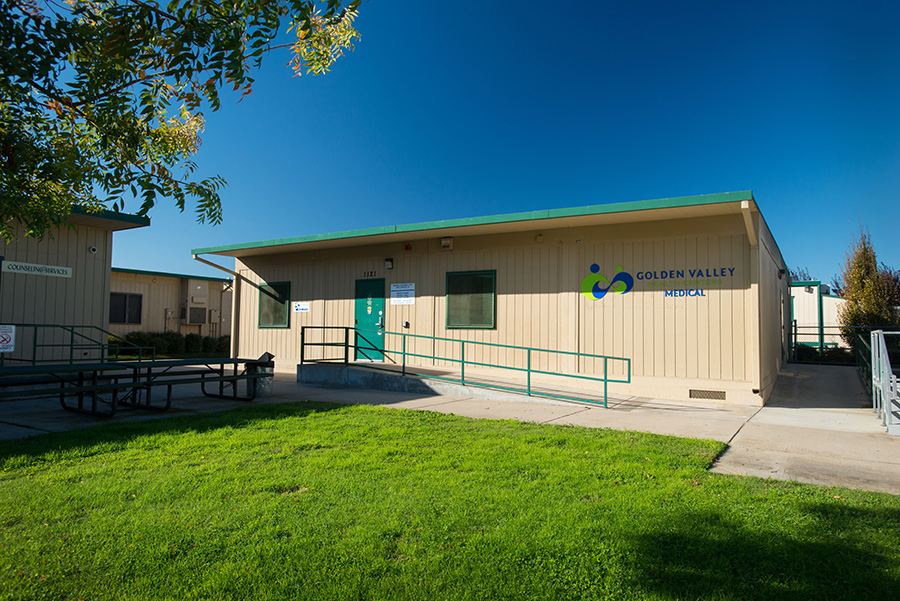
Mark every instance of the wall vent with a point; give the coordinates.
(710, 395)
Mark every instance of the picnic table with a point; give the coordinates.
(98, 389)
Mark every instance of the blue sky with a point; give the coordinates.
(446, 111)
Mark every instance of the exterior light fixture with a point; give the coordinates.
(388, 263)
(446, 243)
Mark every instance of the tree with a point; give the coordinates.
(800, 274)
(872, 292)
(102, 100)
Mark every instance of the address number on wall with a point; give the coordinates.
(368, 274)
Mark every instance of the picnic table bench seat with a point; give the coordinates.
(80, 386)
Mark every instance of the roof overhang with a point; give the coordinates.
(688, 207)
(107, 220)
(166, 274)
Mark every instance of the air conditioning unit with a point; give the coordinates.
(193, 316)
(194, 307)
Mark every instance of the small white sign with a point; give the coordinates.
(35, 269)
(300, 306)
(7, 338)
(403, 294)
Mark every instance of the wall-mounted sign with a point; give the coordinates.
(7, 338)
(35, 269)
(672, 282)
(300, 306)
(403, 294)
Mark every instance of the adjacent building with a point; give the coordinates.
(56, 290)
(155, 301)
(815, 316)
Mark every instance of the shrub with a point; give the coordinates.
(138, 338)
(210, 345)
(176, 342)
(160, 342)
(224, 345)
(193, 343)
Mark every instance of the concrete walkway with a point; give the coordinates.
(816, 428)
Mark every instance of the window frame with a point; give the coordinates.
(493, 324)
(129, 296)
(286, 294)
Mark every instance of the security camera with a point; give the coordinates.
(93, 250)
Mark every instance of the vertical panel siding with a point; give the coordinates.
(159, 293)
(80, 300)
(539, 303)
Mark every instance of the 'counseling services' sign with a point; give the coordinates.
(35, 269)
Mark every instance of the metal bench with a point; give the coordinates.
(79, 386)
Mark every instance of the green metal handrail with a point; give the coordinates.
(463, 362)
(81, 338)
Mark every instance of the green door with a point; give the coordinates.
(369, 315)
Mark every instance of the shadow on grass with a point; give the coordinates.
(699, 555)
(118, 433)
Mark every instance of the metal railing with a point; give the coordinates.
(53, 343)
(885, 396)
(834, 344)
(400, 356)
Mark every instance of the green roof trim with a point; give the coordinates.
(112, 215)
(619, 207)
(169, 275)
(807, 283)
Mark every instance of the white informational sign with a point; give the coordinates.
(300, 306)
(403, 294)
(35, 269)
(7, 339)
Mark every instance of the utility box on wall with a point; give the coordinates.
(196, 302)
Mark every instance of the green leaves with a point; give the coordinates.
(87, 96)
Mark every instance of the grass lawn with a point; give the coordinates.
(319, 501)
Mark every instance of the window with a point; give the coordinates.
(471, 300)
(125, 308)
(274, 301)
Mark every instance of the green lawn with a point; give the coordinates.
(319, 501)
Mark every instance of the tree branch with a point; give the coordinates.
(154, 9)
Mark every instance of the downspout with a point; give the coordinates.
(237, 275)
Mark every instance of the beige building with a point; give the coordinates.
(814, 314)
(56, 291)
(691, 291)
(153, 301)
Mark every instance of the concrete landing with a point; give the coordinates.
(818, 427)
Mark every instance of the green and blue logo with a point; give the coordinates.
(591, 288)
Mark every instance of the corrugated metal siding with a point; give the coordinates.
(159, 293)
(539, 303)
(774, 312)
(82, 299)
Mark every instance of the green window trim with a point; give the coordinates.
(471, 300)
(274, 306)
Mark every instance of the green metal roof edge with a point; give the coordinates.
(112, 215)
(169, 275)
(619, 207)
(807, 283)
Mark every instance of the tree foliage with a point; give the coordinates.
(800, 274)
(101, 101)
(872, 292)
